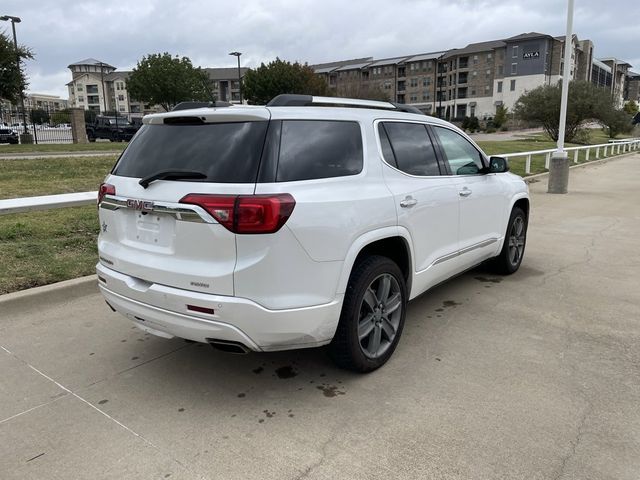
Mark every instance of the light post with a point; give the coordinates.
(559, 164)
(237, 54)
(104, 92)
(14, 20)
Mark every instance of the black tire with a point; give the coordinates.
(510, 258)
(346, 348)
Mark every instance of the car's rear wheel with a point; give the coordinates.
(510, 257)
(372, 315)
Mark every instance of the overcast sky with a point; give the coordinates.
(61, 32)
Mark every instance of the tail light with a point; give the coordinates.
(105, 189)
(246, 213)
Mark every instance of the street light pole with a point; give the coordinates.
(13, 21)
(237, 55)
(559, 164)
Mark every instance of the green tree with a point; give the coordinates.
(616, 122)
(267, 81)
(161, 79)
(542, 105)
(12, 79)
(61, 116)
(631, 107)
(501, 116)
(38, 116)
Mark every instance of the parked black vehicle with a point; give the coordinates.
(114, 129)
(7, 135)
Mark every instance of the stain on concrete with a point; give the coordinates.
(286, 372)
(488, 279)
(181, 409)
(258, 370)
(102, 402)
(330, 391)
(242, 395)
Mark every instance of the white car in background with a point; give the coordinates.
(306, 222)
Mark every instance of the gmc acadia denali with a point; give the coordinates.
(306, 222)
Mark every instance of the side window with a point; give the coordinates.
(312, 149)
(411, 147)
(463, 158)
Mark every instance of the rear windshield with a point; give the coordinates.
(224, 152)
(5, 131)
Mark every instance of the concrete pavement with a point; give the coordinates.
(531, 376)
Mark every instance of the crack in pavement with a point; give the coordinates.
(102, 412)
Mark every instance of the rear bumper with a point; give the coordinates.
(162, 310)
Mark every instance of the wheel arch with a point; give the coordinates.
(391, 242)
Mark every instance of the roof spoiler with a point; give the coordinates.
(190, 105)
(295, 100)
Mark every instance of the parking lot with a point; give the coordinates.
(531, 376)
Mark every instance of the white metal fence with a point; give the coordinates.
(616, 147)
(28, 204)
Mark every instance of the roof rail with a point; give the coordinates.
(295, 100)
(190, 105)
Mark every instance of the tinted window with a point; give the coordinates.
(463, 158)
(387, 151)
(412, 148)
(319, 149)
(224, 152)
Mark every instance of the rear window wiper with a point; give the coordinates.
(172, 174)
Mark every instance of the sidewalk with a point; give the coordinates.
(536, 375)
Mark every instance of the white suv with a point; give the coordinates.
(306, 222)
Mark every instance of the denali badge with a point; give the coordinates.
(143, 205)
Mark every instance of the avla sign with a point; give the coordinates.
(527, 55)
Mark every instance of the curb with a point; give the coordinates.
(537, 176)
(46, 295)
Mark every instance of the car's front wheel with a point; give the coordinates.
(510, 257)
(372, 315)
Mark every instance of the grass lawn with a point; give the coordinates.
(43, 176)
(64, 147)
(39, 248)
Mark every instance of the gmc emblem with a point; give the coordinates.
(143, 205)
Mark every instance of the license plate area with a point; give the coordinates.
(150, 229)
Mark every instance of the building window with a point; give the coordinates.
(414, 82)
(473, 92)
(121, 98)
(500, 69)
(489, 56)
(475, 59)
(514, 69)
(81, 99)
(513, 85)
(499, 87)
(121, 108)
(79, 88)
(92, 88)
(514, 52)
(488, 73)
(486, 89)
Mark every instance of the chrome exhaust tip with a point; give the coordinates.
(229, 346)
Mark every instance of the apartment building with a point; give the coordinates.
(41, 101)
(469, 81)
(226, 86)
(632, 87)
(619, 70)
(98, 86)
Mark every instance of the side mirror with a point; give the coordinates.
(498, 165)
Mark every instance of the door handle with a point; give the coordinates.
(408, 202)
(465, 192)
